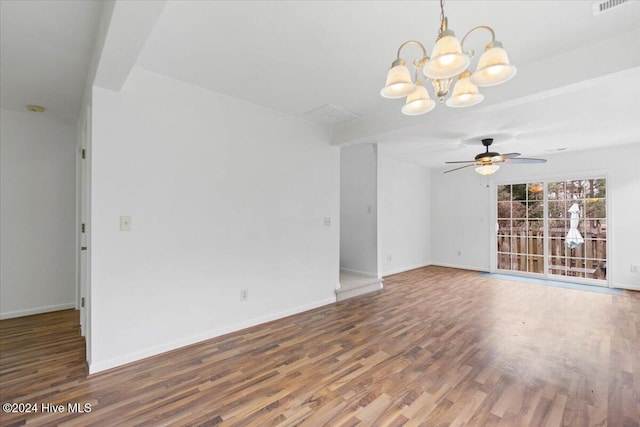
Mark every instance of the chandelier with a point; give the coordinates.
(448, 60)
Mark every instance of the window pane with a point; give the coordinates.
(535, 264)
(535, 246)
(599, 188)
(596, 208)
(504, 227)
(556, 190)
(574, 190)
(557, 266)
(535, 228)
(504, 261)
(504, 244)
(519, 210)
(556, 246)
(535, 191)
(519, 191)
(504, 192)
(535, 209)
(557, 209)
(504, 209)
(558, 227)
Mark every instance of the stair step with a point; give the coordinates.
(352, 285)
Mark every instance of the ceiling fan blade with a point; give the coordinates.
(526, 160)
(461, 167)
(510, 155)
(463, 161)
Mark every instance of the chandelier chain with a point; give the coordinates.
(441, 11)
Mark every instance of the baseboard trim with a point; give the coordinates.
(37, 310)
(95, 368)
(403, 269)
(461, 267)
(626, 286)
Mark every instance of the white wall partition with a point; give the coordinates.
(460, 219)
(358, 209)
(37, 217)
(224, 196)
(404, 215)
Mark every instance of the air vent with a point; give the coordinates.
(330, 115)
(605, 5)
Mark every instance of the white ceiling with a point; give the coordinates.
(572, 90)
(45, 50)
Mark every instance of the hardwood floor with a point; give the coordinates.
(436, 347)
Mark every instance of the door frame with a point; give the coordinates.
(83, 277)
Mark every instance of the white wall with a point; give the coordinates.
(37, 214)
(404, 221)
(224, 195)
(358, 209)
(459, 219)
(461, 207)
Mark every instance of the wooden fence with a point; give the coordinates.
(523, 250)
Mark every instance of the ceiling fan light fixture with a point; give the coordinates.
(487, 170)
(493, 67)
(399, 83)
(487, 162)
(465, 93)
(418, 101)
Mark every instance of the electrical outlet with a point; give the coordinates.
(459, 253)
(244, 294)
(327, 221)
(389, 257)
(634, 268)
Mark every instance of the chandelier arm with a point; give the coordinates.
(417, 63)
(479, 27)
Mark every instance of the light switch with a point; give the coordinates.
(125, 223)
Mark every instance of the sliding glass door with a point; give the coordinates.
(521, 227)
(556, 229)
(577, 224)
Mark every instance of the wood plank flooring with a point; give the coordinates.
(436, 347)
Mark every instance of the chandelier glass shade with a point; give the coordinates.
(465, 93)
(448, 61)
(493, 67)
(418, 101)
(399, 83)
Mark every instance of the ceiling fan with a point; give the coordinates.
(487, 162)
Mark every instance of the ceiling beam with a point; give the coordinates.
(129, 27)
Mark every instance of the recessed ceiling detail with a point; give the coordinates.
(330, 115)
